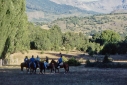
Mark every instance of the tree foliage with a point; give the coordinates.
(13, 26)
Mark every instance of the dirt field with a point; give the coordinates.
(11, 75)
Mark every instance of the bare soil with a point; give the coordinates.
(11, 75)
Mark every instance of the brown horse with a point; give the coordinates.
(30, 68)
(65, 66)
(25, 64)
(51, 66)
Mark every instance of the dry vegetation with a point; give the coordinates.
(93, 24)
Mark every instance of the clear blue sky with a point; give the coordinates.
(88, 0)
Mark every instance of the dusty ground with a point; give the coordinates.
(11, 75)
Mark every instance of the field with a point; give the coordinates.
(79, 75)
(11, 75)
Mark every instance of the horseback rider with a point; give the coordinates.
(37, 60)
(32, 60)
(60, 60)
(47, 59)
(46, 62)
(25, 59)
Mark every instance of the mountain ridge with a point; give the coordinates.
(101, 6)
(49, 10)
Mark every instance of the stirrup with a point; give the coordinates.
(58, 67)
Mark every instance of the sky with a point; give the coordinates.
(88, 0)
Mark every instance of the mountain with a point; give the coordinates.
(49, 10)
(46, 10)
(102, 6)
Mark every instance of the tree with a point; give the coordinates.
(13, 26)
(109, 36)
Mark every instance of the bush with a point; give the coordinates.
(87, 61)
(64, 59)
(89, 64)
(42, 52)
(73, 62)
(105, 65)
(106, 59)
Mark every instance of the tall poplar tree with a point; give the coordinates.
(13, 26)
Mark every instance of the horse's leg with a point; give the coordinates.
(51, 70)
(58, 70)
(31, 70)
(27, 70)
(40, 70)
(21, 69)
(55, 70)
(34, 70)
(44, 70)
(68, 69)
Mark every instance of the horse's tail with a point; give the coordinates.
(21, 65)
(66, 67)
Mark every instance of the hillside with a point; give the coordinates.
(46, 10)
(49, 10)
(101, 6)
(93, 24)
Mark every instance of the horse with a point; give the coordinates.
(50, 66)
(65, 66)
(25, 64)
(33, 68)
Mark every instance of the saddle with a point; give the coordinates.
(61, 64)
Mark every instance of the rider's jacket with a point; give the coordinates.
(25, 59)
(32, 59)
(60, 60)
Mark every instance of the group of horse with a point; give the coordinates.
(53, 66)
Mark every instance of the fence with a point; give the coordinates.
(0, 62)
(9, 61)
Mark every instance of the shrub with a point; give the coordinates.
(105, 65)
(88, 63)
(81, 60)
(73, 62)
(64, 59)
(106, 59)
(42, 52)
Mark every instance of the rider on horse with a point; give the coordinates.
(37, 60)
(32, 60)
(25, 59)
(60, 60)
(46, 62)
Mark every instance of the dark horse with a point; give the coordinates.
(25, 64)
(30, 69)
(65, 66)
(50, 66)
(33, 68)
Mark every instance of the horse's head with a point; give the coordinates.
(53, 61)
